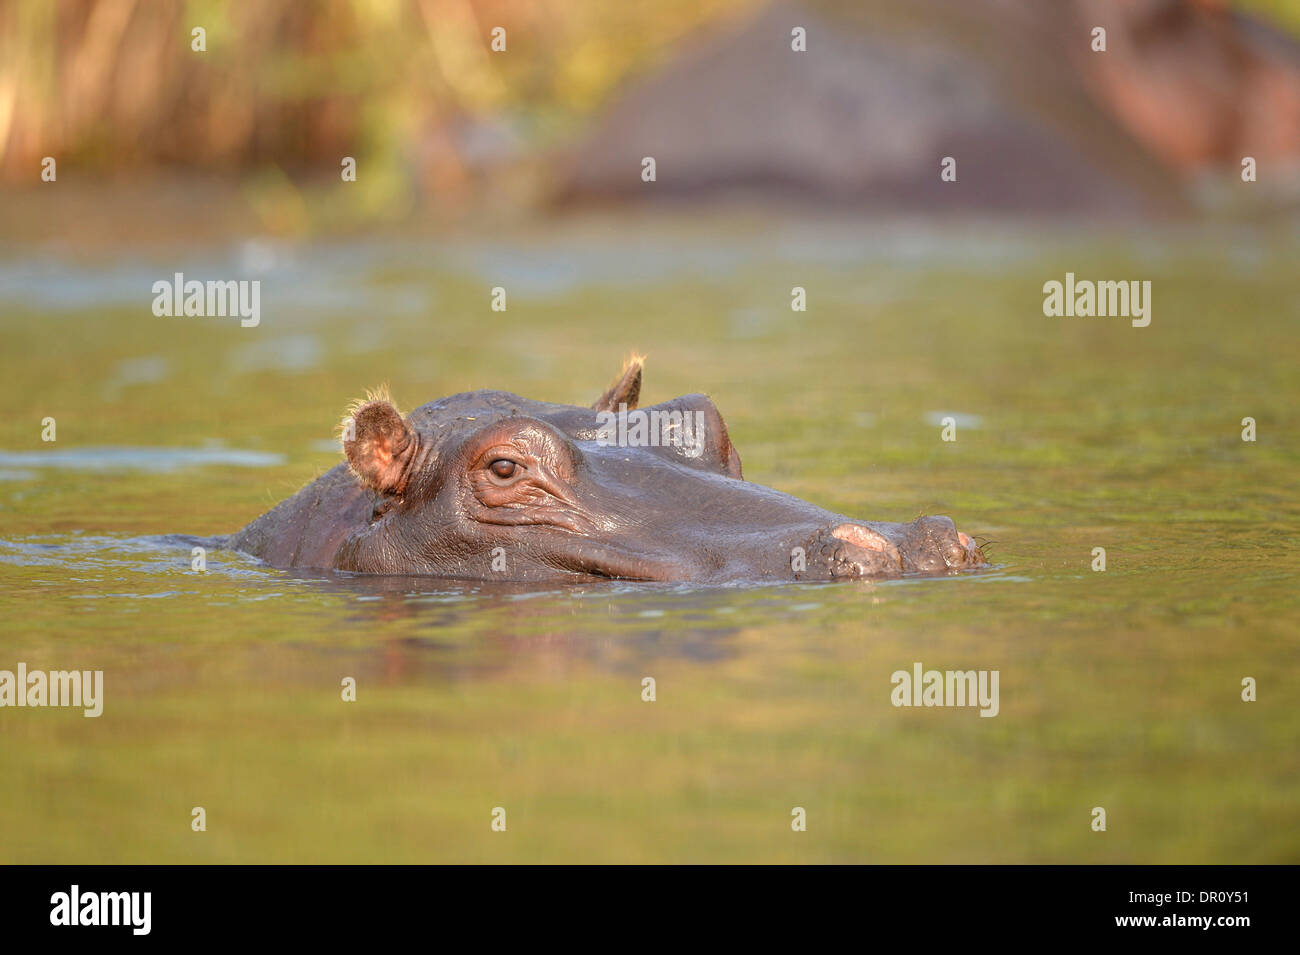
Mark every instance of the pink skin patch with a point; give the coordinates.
(860, 536)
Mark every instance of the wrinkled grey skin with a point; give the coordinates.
(571, 508)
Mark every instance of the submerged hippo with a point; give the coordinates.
(488, 485)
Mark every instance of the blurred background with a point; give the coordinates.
(443, 127)
(775, 169)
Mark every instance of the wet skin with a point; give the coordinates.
(488, 485)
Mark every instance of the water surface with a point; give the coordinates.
(1118, 689)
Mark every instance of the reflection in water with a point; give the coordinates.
(602, 621)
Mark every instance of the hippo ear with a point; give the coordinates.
(379, 444)
(626, 389)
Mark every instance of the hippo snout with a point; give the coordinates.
(928, 545)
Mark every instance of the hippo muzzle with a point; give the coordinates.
(928, 545)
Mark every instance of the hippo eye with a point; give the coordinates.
(503, 468)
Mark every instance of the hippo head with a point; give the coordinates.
(493, 486)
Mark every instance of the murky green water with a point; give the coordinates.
(1119, 689)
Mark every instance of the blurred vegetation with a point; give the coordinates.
(411, 88)
(1284, 13)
